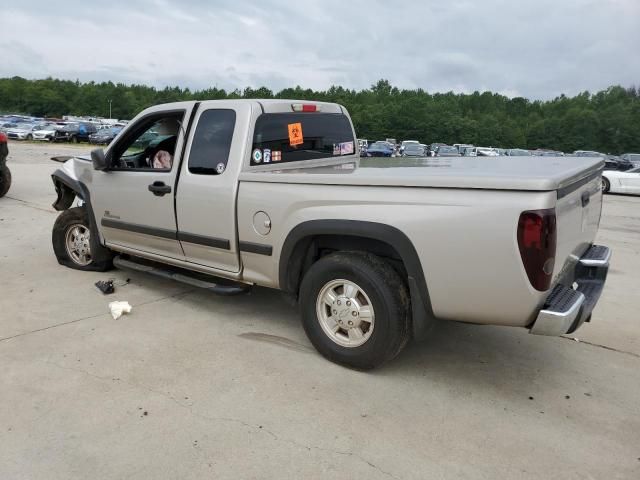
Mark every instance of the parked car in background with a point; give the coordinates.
(433, 148)
(633, 158)
(22, 131)
(380, 149)
(447, 151)
(46, 132)
(104, 136)
(485, 152)
(414, 150)
(404, 144)
(75, 132)
(613, 162)
(468, 152)
(462, 147)
(554, 153)
(517, 152)
(615, 181)
(587, 153)
(5, 173)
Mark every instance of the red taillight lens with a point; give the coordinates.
(3, 137)
(537, 244)
(305, 107)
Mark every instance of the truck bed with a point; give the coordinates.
(494, 173)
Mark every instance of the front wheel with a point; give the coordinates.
(76, 246)
(606, 186)
(5, 180)
(355, 309)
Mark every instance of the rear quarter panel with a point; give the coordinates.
(466, 239)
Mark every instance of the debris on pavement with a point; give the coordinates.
(106, 287)
(118, 308)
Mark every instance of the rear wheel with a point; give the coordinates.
(76, 246)
(606, 186)
(5, 180)
(355, 309)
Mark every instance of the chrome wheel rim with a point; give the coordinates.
(345, 313)
(78, 245)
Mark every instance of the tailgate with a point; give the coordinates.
(578, 212)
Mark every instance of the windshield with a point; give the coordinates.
(24, 126)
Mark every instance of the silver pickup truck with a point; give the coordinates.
(234, 193)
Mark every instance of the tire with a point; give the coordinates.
(384, 332)
(5, 180)
(29, 137)
(72, 247)
(606, 185)
(74, 139)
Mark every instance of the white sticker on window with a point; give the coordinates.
(220, 167)
(266, 154)
(257, 155)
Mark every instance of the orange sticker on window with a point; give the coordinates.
(295, 134)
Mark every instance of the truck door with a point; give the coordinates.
(208, 184)
(133, 200)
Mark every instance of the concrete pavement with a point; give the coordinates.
(191, 385)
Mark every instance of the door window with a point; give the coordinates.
(212, 141)
(150, 145)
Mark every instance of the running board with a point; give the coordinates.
(220, 287)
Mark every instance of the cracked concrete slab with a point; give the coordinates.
(191, 385)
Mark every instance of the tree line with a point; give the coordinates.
(607, 121)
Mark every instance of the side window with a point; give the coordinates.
(212, 142)
(292, 137)
(150, 145)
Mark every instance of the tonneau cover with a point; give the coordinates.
(495, 173)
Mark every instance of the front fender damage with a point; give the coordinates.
(67, 189)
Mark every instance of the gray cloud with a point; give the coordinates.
(537, 49)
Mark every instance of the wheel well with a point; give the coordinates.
(309, 241)
(309, 250)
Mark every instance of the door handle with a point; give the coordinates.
(159, 189)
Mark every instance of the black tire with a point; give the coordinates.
(606, 186)
(5, 180)
(389, 298)
(101, 258)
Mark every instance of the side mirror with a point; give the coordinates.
(99, 159)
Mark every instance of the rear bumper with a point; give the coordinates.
(572, 300)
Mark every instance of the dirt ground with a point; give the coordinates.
(190, 385)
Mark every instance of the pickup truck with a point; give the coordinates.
(228, 194)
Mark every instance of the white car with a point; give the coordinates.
(615, 181)
(47, 132)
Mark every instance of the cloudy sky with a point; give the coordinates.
(536, 49)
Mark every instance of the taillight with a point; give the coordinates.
(305, 107)
(537, 244)
(3, 138)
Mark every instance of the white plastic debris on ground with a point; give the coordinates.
(118, 308)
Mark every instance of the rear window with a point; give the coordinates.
(292, 137)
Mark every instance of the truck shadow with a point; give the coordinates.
(455, 353)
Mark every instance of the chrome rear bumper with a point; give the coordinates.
(571, 301)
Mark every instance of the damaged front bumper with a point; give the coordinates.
(572, 300)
